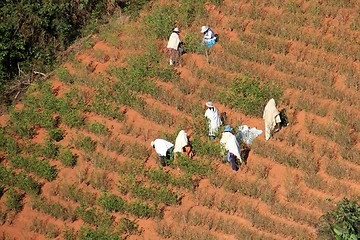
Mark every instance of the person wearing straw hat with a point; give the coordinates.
(212, 114)
(209, 37)
(172, 48)
(164, 149)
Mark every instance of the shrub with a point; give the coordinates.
(161, 21)
(128, 227)
(111, 202)
(342, 223)
(27, 183)
(68, 158)
(251, 95)
(54, 209)
(86, 143)
(140, 209)
(98, 128)
(50, 150)
(41, 168)
(89, 233)
(13, 200)
(94, 216)
(56, 134)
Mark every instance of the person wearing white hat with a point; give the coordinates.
(209, 37)
(173, 47)
(214, 119)
(164, 149)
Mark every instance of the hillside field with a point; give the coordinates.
(75, 153)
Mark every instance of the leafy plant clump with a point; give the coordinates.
(251, 95)
(343, 223)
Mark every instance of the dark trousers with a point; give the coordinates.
(169, 157)
(234, 161)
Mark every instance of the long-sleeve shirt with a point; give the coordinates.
(174, 41)
(161, 146)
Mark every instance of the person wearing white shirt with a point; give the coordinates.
(214, 119)
(164, 149)
(173, 47)
(209, 37)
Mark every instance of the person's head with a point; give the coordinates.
(228, 128)
(176, 30)
(204, 29)
(153, 144)
(210, 105)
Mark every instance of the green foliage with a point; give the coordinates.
(141, 209)
(56, 134)
(112, 202)
(343, 223)
(98, 128)
(71, 192)
(13, 200)
(133, 7)
(94, 216)
(99, 233)
(50, 150)
(161, 21)
(189, 10)
(27, 183)
(2, 138)
(128, 227)
(251, 95)
(54, 209)
(68, 158)
(12, 147)
(32, 32)
(86, 143)
(193, 43)
(41, 168)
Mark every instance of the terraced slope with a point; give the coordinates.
(76, 151)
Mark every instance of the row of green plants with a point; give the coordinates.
(21, 180)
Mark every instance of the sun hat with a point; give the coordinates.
(228, 128)
(209, 104)
(204, 29)
(152, 143)
(176, 29)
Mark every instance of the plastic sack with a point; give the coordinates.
(246, 134)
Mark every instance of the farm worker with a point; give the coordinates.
(214, 119)
(271, 118)
(224, 137)
(233, 148)
(209, 37)
(182, 144)
(164, 149)
(173, 47)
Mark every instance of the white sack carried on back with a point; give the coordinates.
(270, 112)
(181, 141)
(233, 147)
